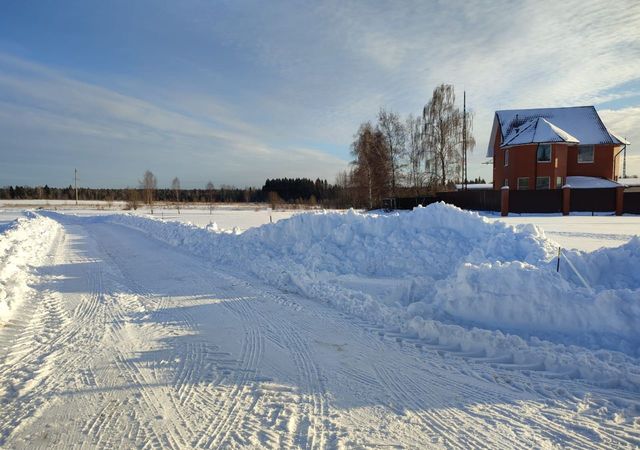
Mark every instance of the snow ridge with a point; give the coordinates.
(449, 277)
(22, 242)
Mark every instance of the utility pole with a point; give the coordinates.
(624, 161)
(464, 140)
(75, 182)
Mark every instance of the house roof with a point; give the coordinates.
(537, 130)
(577, 124)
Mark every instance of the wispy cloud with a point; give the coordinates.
(241, 91)
(38, 103)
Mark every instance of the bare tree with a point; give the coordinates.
(209, 187)
(343, 185)
(372, 165)
(415, 152)
(443, 136)
(131, 199)
(149, 184)
(394, 134)
(175, 187)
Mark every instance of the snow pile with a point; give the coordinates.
(448, 276)
(23, 242)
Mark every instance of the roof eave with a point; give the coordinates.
(536, 143)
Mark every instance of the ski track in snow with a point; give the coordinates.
(122, 341)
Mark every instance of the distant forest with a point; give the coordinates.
(277, 190)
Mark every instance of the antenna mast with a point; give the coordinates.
(624, 161)
(464, 140)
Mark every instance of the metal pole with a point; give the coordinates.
(464, 140)
(624, 161)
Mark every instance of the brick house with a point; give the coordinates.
(540, 148)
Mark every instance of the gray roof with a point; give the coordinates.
(576, 125)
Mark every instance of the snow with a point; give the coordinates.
(473, 186)
(580, 122)
(579, 182)
(537, 130)
(631, 182)
(438, 263)
(326, 329)
(579, 231)
(22, 242)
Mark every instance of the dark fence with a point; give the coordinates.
(593, 200)
(412, 202)
(542, 201)
(479, 200)
(533, 201)
(631, 202)
(475, 199)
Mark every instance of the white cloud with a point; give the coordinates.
(625, 123)
(111, 130)
(315, 71)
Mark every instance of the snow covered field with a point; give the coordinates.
(434, 328)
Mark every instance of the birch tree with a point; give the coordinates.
(149, 184)
(175, 187)
(443, 129)
(415, 152)
(209, 188)
(393, 131)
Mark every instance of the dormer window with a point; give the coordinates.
(544, 153)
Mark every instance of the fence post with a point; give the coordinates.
(619, 200)
(566, 199)
(504, 201)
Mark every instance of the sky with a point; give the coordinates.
(235, 92)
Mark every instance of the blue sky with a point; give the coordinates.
(237, 91)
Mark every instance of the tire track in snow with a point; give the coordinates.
(235, 404)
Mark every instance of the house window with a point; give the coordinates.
(558, 182)
(523, 183)
(506, 157)
(585, 153)
(542, 182)
(506, 182)
(544, 153)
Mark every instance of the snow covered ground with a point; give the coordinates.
(434, 328)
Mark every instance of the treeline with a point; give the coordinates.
(276, 191)
(412, 157)
(300, 190)
(227, 194)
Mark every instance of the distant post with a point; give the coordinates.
(619, 200)
(566, 200)
(75, 183)
(504, 201)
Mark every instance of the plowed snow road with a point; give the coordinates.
(125, 342)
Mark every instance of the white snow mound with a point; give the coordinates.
(23, 242)
(448, 276)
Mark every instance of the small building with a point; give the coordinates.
(540, 148)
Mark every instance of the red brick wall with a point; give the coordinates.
(602, 165)
(564, 162)
(523, 163)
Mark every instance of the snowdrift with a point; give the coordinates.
(22, 243)
(448, 276)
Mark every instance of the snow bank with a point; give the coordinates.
(23, 242)
(448, 276)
